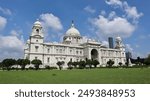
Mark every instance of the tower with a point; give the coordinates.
(37, 30)
(35, 43)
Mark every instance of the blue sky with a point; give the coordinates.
(96, 19)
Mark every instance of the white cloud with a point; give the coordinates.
(15, 32)
(131, 11)
(51, 21)
(3, 22)
(105, 43)
(89, 9)
(114, 2)
(103, 13)
(113, 27)
(11, 47)
(5, 11)
(128, 48)
(112, 15)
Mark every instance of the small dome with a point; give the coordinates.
(37, 23)
(72, 31)
(118, 38)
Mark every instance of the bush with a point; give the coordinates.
(70, 68)
(31, 68)
(47, 67)
(50, 68)
(80, 67)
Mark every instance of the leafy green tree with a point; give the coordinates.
(147, 60)
(89, 63)
(36, 63)
(0, 65)
(23, 63)
(82, 64)
(60, 64)
(70, 65)
(120, 63)
(95, 63)
(75, 64)
(138, 61)
(7, 63)
(110, 63)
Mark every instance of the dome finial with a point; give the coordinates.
(72, 25)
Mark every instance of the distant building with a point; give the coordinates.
(111, 43)
(128, 55)
(73, 48)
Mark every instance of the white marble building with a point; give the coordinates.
(71, 49)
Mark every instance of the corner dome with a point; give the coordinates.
(37, 23)
(72, 31)
(118, 38)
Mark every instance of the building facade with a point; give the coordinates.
(73, 48)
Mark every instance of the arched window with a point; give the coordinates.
(36, 48)
(37, 30)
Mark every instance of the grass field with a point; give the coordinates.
(94, 76)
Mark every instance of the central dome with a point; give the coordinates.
(72, 31)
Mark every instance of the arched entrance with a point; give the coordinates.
(94, 54)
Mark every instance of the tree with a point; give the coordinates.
(110, 63)
(36, 63)
(7, 63)
(60, 64)
(23, 63)
(138, 61)
(70, 65)
(95, 63)
(75, 64)
(0, 65)
(120, 63)
(147, 60)
(82, 64)
(89, 63)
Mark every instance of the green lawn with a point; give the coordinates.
(94, 76)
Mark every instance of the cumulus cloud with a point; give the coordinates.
(3, 22)
(105, 43)
(128, 48)
(89, 9)
(11, 47)
(51, 21)
(114, 2)
(112, 15)
(103, 13)
(5, 11)
(131, 11)
(16, 32)
(113, 27)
